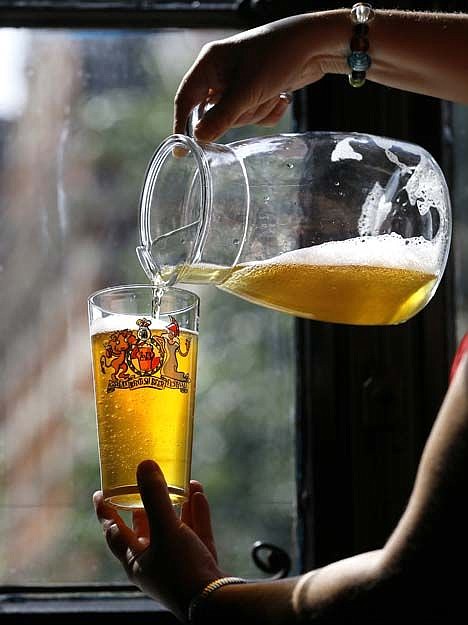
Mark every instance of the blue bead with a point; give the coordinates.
(359, 61)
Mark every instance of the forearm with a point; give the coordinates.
(253, 603)
(244, 74)
(433, 527)
(422, 52)
(346, 589)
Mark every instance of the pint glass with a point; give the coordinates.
(144, 367)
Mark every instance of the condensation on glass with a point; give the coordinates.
(80, 114)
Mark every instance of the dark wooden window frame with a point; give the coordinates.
(366, 397)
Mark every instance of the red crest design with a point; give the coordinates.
(149, 356)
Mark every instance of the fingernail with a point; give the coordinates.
(110, 527)
(97, 499)
(179, 152)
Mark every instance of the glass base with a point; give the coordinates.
(128, 497)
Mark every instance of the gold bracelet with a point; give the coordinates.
(195, 607)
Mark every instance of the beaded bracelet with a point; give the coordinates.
(359, 61)
(195, 610)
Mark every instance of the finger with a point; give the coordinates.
(274, 116)
(121, 540)
(106, 513)
(268, 114)
(155, 496)
(186, 516)
(253, 115)
(198, 85)
(201, 522)
(140, 525)
(124, 544)
(187, 97)
(232, 104)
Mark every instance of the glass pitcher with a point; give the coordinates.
(346, 228)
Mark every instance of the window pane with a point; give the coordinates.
(80, 115)
(460, 209)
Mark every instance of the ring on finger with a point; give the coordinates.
(287, 96)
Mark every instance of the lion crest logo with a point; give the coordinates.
(145, 358)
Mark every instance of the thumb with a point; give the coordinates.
(156, 500)
(193, 89)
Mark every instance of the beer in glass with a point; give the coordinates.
(144, 367)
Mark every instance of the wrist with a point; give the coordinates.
(330, 32)
(197, 607)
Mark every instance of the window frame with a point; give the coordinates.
(53, 604)
(133, 13)
(344, 373)
(349, 391)
(116, 602)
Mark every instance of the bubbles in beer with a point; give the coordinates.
(365, 280)
(141, 421)
(369, 280)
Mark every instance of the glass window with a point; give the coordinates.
(460, 209)
(80, 114)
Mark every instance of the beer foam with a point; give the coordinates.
(386, 250)
(112, 323)
(344, 150)
(425, 188)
